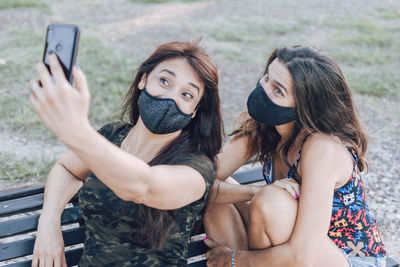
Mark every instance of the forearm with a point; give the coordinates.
(226, 193)
(122, 172)
(60, 187)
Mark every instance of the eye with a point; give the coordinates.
(187, 95)
(278, 91)
(164, 81)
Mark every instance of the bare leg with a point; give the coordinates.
(273, 213)
(224, 225)
(272, 216)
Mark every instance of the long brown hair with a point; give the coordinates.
(203, 135)
(323, 102)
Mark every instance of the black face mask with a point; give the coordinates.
(161, 115)
(262, 109)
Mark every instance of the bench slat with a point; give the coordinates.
(201, 263)
(25, 247)
(249, 176)
(20, 192)
(26, 224)
(197, 248)
(24, 204)
(72, 256)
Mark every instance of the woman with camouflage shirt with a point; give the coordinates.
(142, 183)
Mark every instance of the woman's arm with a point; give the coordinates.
(64, 110)
(230, 191)
(64, 180)
(232, 156)
(324, 163)
(132, 179)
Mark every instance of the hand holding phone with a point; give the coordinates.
(62, 40)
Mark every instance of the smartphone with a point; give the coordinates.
(63, 40)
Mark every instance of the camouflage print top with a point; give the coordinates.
(112, 223)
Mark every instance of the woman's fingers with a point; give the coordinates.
(35, 260)
(210, 243)
(57, 262)
(63, 261)
(80, 81)
(295, 185)
(42, 262)
(49, 262)
(57, 71)
(44, 75)
(36, 91)
(290, 186)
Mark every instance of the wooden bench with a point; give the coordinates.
(20, 211)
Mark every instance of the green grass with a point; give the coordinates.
(247, 31)
(363, 32)
(241, 40)
(365, 47)
(109, 75)
(388, 13)
(20, 54)
(377, 82)
(351, 55)
(20, 170)
(232, 53)
(15, 109)
(7, 4)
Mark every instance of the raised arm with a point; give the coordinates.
(64, 110)
(132, 179)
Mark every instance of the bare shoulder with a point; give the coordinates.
(324, 144)
(326, 154)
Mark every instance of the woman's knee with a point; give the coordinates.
(272, 200)
(277, 210)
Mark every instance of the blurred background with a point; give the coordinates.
(117, 35)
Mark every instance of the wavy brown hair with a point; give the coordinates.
(203, 135)
(323, 102)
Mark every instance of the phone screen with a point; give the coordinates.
(63, 40)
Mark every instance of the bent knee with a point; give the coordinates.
(273, 200)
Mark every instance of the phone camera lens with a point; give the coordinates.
(58, 47)
(50, 51)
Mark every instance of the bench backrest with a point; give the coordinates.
(20, 211)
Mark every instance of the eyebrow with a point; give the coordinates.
(173, 74)
(275, 81)
(280, 85)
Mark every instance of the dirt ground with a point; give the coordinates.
(134, 29)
